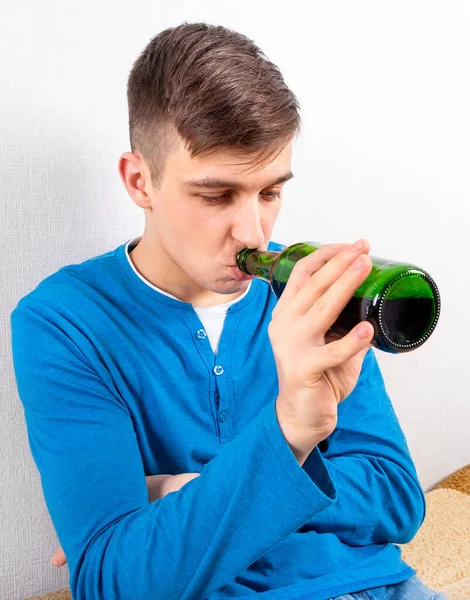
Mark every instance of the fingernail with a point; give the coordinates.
(358, 245)
(362, 331)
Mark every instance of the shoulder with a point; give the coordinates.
(71, 284)
(275, 246)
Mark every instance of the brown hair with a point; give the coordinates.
(215, 88)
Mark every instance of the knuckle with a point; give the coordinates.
(320, 307)
(302, 265)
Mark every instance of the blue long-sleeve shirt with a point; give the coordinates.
(118, 383)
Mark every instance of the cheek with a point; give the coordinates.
(182, 218)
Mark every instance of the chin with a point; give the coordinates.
(231, 287)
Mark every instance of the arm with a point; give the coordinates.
(158, 486)
(380, 498)
(118, 545)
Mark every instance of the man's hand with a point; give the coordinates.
(157, 487)
(58, 559)
(316, 373)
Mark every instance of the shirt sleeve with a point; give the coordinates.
(118, 546)
(379, 497)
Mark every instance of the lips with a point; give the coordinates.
(239, 275)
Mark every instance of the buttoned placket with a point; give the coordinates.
(221, 388)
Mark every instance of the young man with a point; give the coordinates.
(274, 462)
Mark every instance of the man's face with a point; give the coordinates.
(204, 212)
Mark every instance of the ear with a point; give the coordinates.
(135, 177)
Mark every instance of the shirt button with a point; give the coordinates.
(223, 416)
(218, 370)
(201, 334)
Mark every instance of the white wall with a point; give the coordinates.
(384, 154)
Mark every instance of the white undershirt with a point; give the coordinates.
(212, 317)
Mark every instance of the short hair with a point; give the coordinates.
(213, 87)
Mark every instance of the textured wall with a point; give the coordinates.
(384, 155)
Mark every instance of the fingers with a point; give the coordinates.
(176, 482)
(59, 559)
(328, 307)
(328, 274)
(304, 269)
(338, 352)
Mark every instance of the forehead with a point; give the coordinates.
(238, 166)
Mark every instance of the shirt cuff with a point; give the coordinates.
(311, 478)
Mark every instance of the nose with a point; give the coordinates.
(247, 224)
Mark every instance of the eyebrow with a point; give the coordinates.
(213, 182)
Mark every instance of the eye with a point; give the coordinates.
(216, 199)
(272, 195)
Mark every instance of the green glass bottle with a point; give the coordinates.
(400, 300)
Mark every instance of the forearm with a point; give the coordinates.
(378, 502)
(205, 524)
(379, 496)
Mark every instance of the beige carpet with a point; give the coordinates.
(440, 552)
(62, 595)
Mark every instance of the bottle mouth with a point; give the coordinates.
(408, 310)
(240, 261)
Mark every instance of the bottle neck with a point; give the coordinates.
(256, 262)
